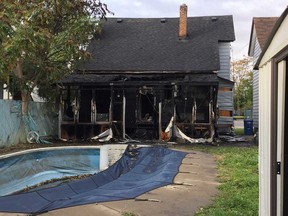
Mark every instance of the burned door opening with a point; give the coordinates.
(146, 113)
(195, 110)
(84, 112)
(146, 107)
(85, 106)
(102, 101)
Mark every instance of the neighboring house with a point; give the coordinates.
(260, 31)
(4, 93)
(144, 71)
(273, 121)
(1, 91)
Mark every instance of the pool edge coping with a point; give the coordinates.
(46, 149)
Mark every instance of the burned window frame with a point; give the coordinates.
(147, 116)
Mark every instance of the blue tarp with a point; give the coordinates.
(29, 169)
(136, 172)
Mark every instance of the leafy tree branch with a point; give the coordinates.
(42, 40)
(242, 75)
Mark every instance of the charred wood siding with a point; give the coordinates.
(130, 108)
(179, 99)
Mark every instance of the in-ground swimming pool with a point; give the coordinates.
(31, 167)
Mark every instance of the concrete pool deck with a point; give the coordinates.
(198, 173)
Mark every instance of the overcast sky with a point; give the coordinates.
(242, 11)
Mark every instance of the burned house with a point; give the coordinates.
(143, 72)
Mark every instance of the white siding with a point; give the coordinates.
(280, 132)
(264, 138)
(6, 94)
(225, 102)
(225, 98)
(278, 43)
(257, 51)
(1, 91)
(224, 120)
(224, 57)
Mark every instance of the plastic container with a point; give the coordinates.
(248, 126)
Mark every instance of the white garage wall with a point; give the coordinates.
(264, 137)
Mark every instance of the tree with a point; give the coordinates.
(242, 75)
(42, 40)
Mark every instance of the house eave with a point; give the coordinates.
(102, 72)
(140, 79)
(270, 38)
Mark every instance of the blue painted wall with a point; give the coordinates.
(12, 129)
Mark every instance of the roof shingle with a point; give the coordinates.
(263, 27)
(147, 44)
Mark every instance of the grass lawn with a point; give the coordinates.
(239, 131)
(238, 117)
(238, 174)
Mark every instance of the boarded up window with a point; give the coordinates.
(225, 113)
(224, 89)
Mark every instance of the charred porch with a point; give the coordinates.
(140, 106)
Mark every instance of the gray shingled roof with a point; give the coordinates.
(146, 44)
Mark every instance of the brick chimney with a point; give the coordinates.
(183, 22)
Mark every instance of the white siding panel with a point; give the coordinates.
(280, 133)
(1, 91)
(257, 51)
(224, 56)
(255, 98)
(252, 42)
(264, 138)
(225, 120)
(225, 100)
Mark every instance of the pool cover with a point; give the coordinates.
(139, 170)
(26, 169)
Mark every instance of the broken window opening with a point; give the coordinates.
(184, 109)
(202, 98)
(102, 99)
(70, 106)
(118, 105)
(168, 93)
(167, 106)
(146, 105)
(85, 106)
